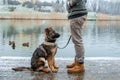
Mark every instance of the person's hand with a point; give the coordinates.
(70, 3)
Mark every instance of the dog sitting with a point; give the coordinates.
(45, 52)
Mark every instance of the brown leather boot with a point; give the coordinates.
(77, 68)
(71, 65)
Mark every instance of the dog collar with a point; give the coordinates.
(49, 43)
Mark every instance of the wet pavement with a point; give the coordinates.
(95, 69)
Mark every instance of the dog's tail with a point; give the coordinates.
(22, 69)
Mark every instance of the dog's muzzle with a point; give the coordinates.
(57, 35)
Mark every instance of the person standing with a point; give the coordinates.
(77, 14)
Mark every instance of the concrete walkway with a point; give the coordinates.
(96, 69)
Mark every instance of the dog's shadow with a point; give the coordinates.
(42, 76)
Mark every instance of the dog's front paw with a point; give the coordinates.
(56, 67)
(54, 70)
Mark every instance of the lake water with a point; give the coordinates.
(101, 38)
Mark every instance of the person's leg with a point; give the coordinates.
(76, 32)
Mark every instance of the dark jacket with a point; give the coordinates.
(77, 9)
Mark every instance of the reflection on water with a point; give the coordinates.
(101, 38)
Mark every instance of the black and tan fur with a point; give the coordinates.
(45, 52)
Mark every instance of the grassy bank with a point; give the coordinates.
(31, 16)
(101, 16)
(53, 16)
(39, 16)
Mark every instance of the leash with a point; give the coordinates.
(66, 44)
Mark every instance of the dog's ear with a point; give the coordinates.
(50, 28)
(46, 31)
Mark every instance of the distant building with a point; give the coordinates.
(11, 2)
(43, 7)
(36, 5)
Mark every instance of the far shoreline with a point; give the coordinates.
(57, 19)
(92, 16)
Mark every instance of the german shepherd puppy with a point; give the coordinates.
(45, 52)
